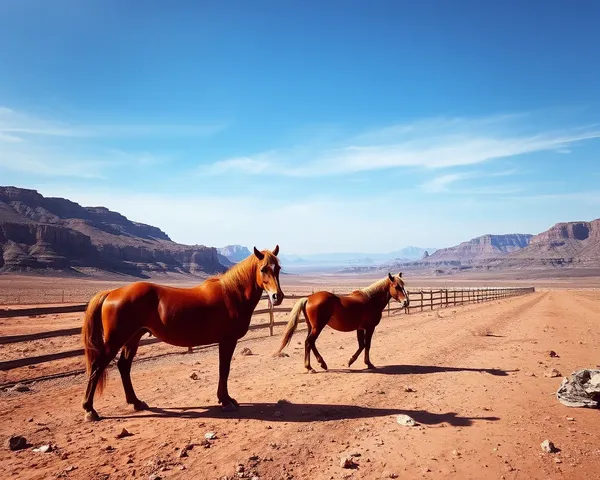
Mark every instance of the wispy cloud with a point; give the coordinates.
(433, 144)
(442, 183)
(49, 147)
(16, 124)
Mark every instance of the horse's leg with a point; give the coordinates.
(307, 349)
(312, 338)
(360, 335)
(124, 364)
(97, 369)
(226, 348)
(368, 336)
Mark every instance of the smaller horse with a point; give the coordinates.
(361, 311)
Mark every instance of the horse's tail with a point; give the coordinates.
(292, 324)
(92, 335)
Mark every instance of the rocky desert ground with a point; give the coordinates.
(475, 379)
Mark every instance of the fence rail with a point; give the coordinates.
(420, 300)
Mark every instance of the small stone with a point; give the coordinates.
(154, 476)
(70, 468)
(210, 435)
(548, 446)
(129, 460)
(406, 420)
(557, 460)
(194, 376)
(245, 351)
(124, 433)
(30, 419)
(552, 353)
(392, 475)
(409, 389)
(348, 462)
(552, 373)
(570, 419)
(456, 453)
(16, 442)
(109, 448)
(426, 470)
(239, 469)
(64, 455)
(20, 387)
(205, 443)
(44, 449)
(253, 458)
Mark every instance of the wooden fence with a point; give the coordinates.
(420, 300)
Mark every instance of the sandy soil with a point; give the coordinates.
(480, 397)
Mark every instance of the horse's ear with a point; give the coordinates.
(258, 254)
(400, 274)
(390, 277)
(276, 250)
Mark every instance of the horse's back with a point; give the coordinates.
(340, 312)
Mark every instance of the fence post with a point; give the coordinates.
(430, 299)
(271, 322)
(421, 300)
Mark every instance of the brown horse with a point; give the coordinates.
(360, 311)
(216, 311)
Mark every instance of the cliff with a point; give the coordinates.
(38, 233)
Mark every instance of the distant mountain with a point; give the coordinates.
(234, 253)
(480, 248)
(355, 258)
(39, 233)
(564, 244)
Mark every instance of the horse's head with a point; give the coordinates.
(398, 290)
(267, 275)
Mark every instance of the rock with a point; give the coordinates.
(30, 419)
(210, 435)
(348, 462)
(205, 443)
(552, 373)
(456, 453)
(409, 389)
(245, 351)
(19, 387)
(240, 468)
(406, 420)
(16, 442)
(194, 376)
(44, 449)
(552, 353)
(570, 419)
(557, 460)
(70, 468)
(154, 476)
(124, 433)
(548, 446)
(392, 475)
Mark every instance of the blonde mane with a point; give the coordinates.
(376, 287)
(242, 273)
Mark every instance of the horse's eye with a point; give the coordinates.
(264, 269)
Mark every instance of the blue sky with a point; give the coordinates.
(321, 126)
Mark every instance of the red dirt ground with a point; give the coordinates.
(480, 397)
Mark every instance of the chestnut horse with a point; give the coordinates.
(216, 311)
(360, 311)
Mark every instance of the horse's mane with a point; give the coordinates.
(242, 273)
(375, 287)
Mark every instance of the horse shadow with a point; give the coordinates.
(303, 413)
(423, 369)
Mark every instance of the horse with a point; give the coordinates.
(218, 311)
(361, 311)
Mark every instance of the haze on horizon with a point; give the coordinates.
(335, 127)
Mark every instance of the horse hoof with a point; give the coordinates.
(229, 407)
(370, 366)
(139, 405)
(324, 366)
(91, 416)
(311, 370)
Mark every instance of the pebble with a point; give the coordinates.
(409, 389)
(19, 387)
(406, 420)
(245, 352)
(552, 353)
(348, 462)
(194, 376)
(124, 433)
(44, 449)
(552, 373)
(547, 446)
(16, 442)
(210, 435)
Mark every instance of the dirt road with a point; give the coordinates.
(472, 377)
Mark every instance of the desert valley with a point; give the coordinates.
(478, 376)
